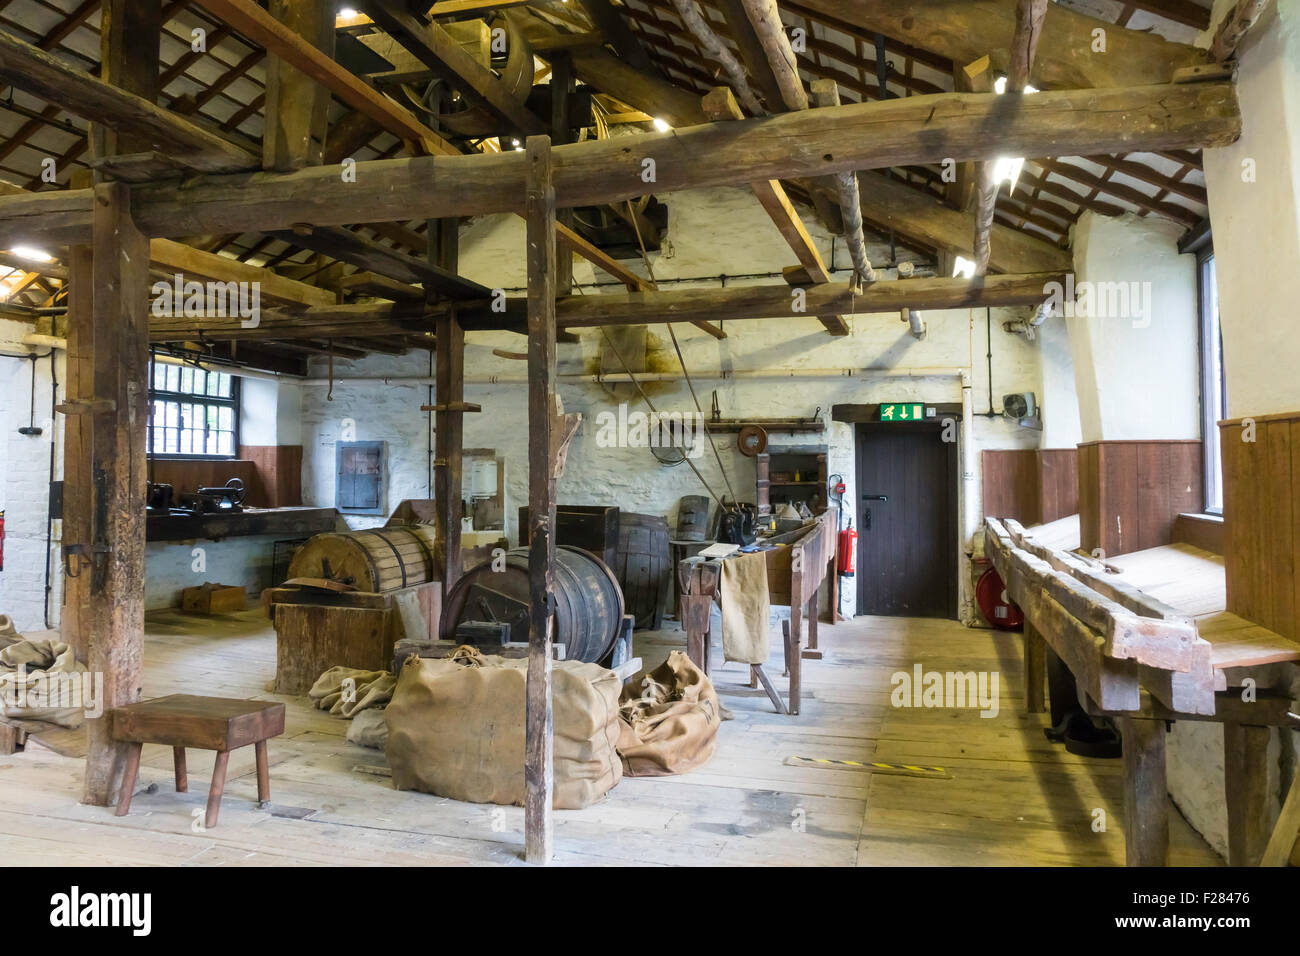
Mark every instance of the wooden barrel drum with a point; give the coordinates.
(588, 601)
(643, 566)
(381, 559)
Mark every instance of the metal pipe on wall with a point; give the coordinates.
(749, 375)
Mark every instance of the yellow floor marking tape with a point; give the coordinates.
(868, 766)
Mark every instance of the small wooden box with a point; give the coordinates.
(213, 599)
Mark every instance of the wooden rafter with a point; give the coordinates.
(262, 28)
(29, 68)
(721, 105)
(438, 50)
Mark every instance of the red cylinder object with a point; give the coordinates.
(844, 552)
(998, 609)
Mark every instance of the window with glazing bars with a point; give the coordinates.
(192, 412)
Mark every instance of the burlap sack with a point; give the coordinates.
(670, 721)
(456, 728)
(347, 691)
(42, 680)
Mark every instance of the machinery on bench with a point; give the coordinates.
(225, 499)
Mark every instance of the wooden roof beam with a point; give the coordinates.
(265, 30)
(964, 30)
(1024, 48)
(890, 203)
(347, 246)
(912, 130)
(28, 68)
(438, 50)
(568, 238)
(1179, 11)
(616, 31)
(720, 104)
(600, 69)
(632, 308)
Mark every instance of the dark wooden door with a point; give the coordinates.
(906, 518)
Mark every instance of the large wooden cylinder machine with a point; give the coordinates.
(351, 596)
(489, 604)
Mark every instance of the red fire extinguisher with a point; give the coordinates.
(844, 552)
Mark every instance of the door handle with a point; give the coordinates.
(875, 497)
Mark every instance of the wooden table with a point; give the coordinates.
(794, 577)
(206, 723)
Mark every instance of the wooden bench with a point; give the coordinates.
(1147, 637)
(205, 723)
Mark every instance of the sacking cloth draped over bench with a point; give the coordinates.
(742, 594)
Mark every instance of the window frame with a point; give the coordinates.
(1208, 325)
(190, 398)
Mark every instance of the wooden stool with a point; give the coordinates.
(205, 723)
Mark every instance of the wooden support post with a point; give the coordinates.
(109, 586)
(1146, 799)
(1281, 844)
(539, 770)
(1245, 786)
(77, 432)
(562, 85)
(794, 661)
(448, 422)
(1035, 670)
(293, 135)
(130, 37)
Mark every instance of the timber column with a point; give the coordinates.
(539, 769)
(106, 572)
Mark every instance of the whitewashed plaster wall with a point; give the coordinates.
(1255, 209)
(24, 479)
(1136, 369)
(711, 233)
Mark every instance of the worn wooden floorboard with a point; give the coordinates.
(1011, 796)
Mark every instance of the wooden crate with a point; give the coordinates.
(316, 630)
(213, 599)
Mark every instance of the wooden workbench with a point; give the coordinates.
(1148, 639)
(795, 574)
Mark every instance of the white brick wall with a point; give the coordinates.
(24, 481)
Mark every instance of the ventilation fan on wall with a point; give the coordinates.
(1022, 408)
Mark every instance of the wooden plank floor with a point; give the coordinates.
(1012, 798)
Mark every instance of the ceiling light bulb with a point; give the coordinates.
(661, 126)
(27, 252)
(347, 13)
(963, 267)
(1007, 169)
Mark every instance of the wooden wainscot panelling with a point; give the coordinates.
(278, 474)
(1031, 485)
(1058, 480)
(190, 474)
(1200, 531)
(1261, 519)
(1131, 491)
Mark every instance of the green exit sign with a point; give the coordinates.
(902, 412)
